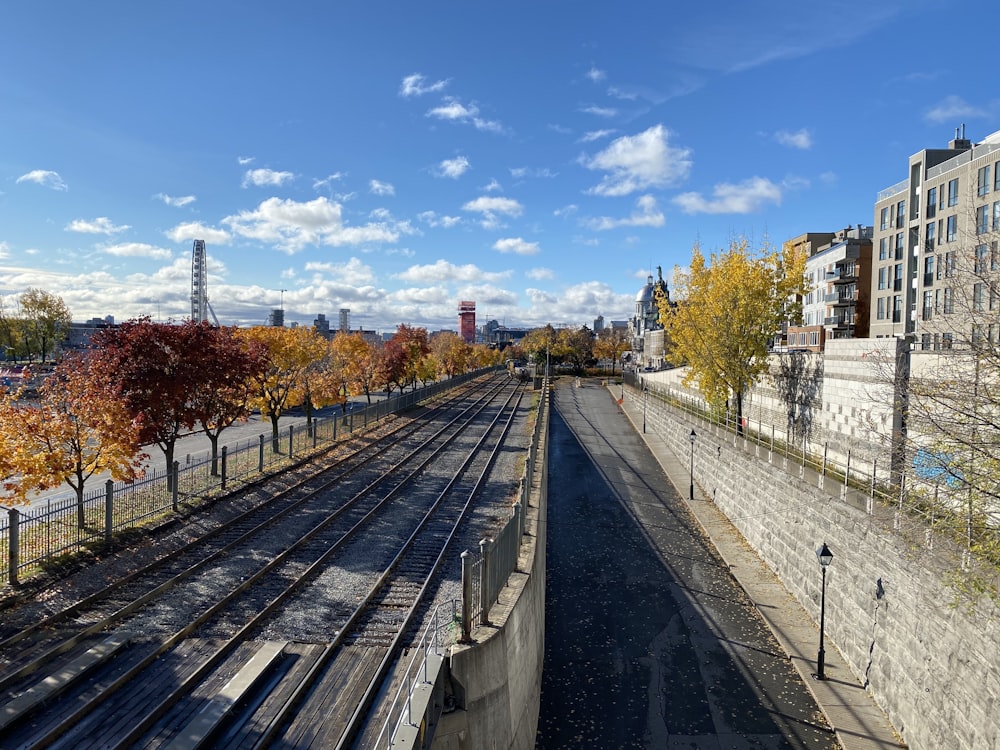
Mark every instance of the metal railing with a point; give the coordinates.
(923, 511)
(31, 537)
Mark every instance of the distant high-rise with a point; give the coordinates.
(598, 324)
(467, 321)
(277, 318)
(345, 319)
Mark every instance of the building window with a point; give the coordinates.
(881, 277)
(929, 270)
(953, 192)
(952, 228)
(978, 296)
(996, 215)
(883, 248)
(949, 301)
(884, 218)
(978, 335)
(982, 259)
(946, 341)
(929, 239)
(897, 281)
(982, 219)
(931, 202)
(937, 301)
(983, 180)
(994, 258)
(814, 338)
(897, 309)
(928, 305)
(949, 265)
(925, 341)
(880, 309)
(996, 176)
(901, 214)
(900, 246)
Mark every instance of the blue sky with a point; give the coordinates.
(540, 158)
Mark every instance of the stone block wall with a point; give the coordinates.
(929, 657)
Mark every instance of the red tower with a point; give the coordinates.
(467, 321)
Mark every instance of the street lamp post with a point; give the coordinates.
(825, 558)
(691, 487)
(644, 399)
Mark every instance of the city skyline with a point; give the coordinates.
(541, 160)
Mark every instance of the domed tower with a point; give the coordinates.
(647, 314)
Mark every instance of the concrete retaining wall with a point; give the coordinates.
(929, 655)
(497, 680)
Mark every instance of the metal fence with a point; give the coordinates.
(33, 537)
(925, 511)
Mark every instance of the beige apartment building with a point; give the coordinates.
(934, 252)
(838, 271)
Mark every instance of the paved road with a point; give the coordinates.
(196, 446)
(649, 640)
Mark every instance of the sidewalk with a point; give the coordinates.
(855, 717)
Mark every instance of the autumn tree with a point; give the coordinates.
(289, 353)
(451, 352)
(574, 346)
(360, 362)
(728, 312)
(412, 341)
(156, 370)
(46, 321)
(611, 343)
(79, 428)
(539, 343)
(231, 367)
(322, 381)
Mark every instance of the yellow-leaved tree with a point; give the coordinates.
(290, 353)
(728, 311)
(77, 429)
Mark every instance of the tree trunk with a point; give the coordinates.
(213, 438)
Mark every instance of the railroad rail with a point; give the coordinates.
(237, 637)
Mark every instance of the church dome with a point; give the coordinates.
(646, 293)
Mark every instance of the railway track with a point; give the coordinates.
(241, 632)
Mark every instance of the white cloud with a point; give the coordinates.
(596, 135)
(416, 85)
(454, 168)
(176, 202)
(743, 198)
(493, 187)
(490, 207)
(540, 274)
(442, 271)
(516, 245)
(455, 111)
(195, 230)
(100, 225)
(138, 250)
(566, 211)
(596, 75)
(291, 225)
(952, 108)
(645, 215)
(600, 111)
(328, 180)
(353, 272)
(4, 250)
(640, 162)
(264, 177)
(433, 220)
(801, 139)
(380, 188)
(244, 160)
(519, 173)
(45, 178)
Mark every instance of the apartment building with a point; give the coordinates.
(935, 247)
(838, 271)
